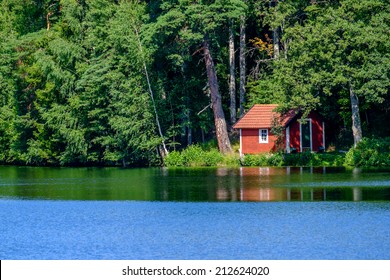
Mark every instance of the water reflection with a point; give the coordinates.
(278, 184)
(271, 184)
(203, 184)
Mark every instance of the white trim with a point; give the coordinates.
(240, 142)
(260, 136)
(300, 134)
(288, 139)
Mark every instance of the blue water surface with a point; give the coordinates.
(50, 229)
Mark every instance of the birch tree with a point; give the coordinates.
(242, 64)
(232, 75)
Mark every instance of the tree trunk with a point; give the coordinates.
(356, 123)
(189, 136)
(219, 117)
(232, 77)
(276, 42)
(48, 21)
(242, 65)
(164, 150)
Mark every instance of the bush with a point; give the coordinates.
(255, 160)
(212, 158)
(194, 155)
(275, 159)
(174, 159)
(299, 159)
(232, 160)
(314, 159)
(370, 152)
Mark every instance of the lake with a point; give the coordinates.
(205, 213)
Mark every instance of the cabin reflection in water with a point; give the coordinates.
(261, 184)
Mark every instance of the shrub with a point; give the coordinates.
(174, 159)
(299, 159)
(231, 160)
(275, 159)
(212, 158)
(332, 159)
(255, 160)
(194, 155)
(314, 159)
(370, 152)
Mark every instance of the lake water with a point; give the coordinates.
(220, 213)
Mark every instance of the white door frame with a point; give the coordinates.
(288, 139)
(240, 142)
(300, 134)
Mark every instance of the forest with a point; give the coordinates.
(126, 82)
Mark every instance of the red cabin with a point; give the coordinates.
(296, 134)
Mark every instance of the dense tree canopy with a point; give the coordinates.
(123, 82)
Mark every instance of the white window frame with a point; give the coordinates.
(260, 136)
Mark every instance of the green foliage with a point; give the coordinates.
(314, 159)
(263, 91)
(263, 160)
(298, 159)
(174, 159)
(275, 159)
(370, 152)
(334, 48)
(231, 160)
(255, 160)
(194, 155)
(7, 133)
(75, 93)
(212, 158)
(73, 87)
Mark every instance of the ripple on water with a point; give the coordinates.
(177, 230)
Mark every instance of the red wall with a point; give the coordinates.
(251, 145)
(317, 131)
(250, 137)
(294, 135)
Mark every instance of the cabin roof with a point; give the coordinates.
(263, 116)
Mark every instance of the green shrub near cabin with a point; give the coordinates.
(254, 160)
(298, 159)
(370, 152)
(193, 156)
(314, 159)
(174, 158)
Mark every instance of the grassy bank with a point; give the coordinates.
(369, 152)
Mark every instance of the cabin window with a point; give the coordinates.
(263, 135)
